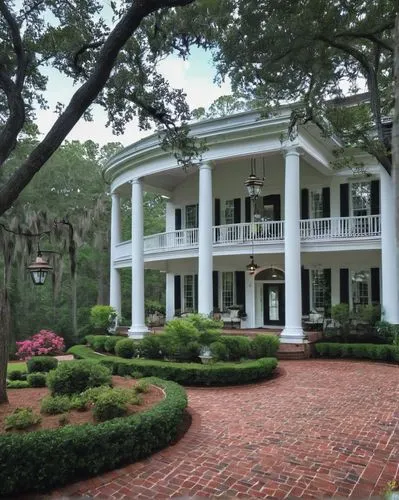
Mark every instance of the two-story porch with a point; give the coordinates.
(319, 237)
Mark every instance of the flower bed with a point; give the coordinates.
(40, 460)
(214, 374)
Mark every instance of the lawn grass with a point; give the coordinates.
(19, 366)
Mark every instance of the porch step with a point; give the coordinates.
(293, 351)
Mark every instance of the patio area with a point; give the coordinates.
(320, 429)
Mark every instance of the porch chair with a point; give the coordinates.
(231, 318)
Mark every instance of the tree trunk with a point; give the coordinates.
(395, 138)
(4, 339)
(74, 307)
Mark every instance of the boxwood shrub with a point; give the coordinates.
(42, 460)
(382, 352)
(36, 379)
(76, 376)
(126, 348)
(41, 364)
(185, 373)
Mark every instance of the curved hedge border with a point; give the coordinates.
(185, 373)
(37, 461)
(381, 352)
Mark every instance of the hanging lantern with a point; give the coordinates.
(39, 270)
(254, 184)
(252, 267)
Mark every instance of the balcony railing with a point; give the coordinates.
(268, 232)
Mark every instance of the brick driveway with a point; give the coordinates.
(323, 428)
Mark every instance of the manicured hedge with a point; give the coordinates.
(40, 460)
(185, 373)
(382, 352)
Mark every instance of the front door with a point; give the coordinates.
(273, 304)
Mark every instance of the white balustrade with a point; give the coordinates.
(341, 227)
(368, 226)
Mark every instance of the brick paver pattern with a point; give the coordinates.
(322, 428)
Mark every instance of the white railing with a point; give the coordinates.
(248, 231)
(341, 227)
(368, 226)
(183, 238)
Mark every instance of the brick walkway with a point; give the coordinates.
(323, 428)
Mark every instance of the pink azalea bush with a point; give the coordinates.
(43, 343)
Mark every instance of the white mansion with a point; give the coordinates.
(319, 236)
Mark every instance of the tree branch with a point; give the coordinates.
(82, 50)
(83, 97)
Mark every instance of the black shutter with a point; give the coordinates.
(344, 200)
(177, 292)
(375, 285)
(237, 210)
(196, 293)
(215, 285)
(247, 209)
(240, 288)
(344, 286)
(326, 202)
(177, 219)
(277, 207)
(197, 206)
(305, 204)
(305, 280)
(217, 212)
(375, 197)
(327, 292)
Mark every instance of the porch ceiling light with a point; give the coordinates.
(39, 270)
(252, 267)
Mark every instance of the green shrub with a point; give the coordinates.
(110, 343)
(142, 386)
(388, 332)
(208, 328)
(76, 376)
(22, 418)
(41, 364)
(77, 402)
(100, 317)
(110, 404)
(37, 379)
(53, 405)
(152, 307)
(17, 384)
(383, 352)
(238, 346)
(63, 420)
(126, 348)
(185, 373)
(51, 458)
(264, 346)
(98, 342)
(219, 351)
(16, 375)
(151, 347)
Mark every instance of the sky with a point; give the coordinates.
(195, 76)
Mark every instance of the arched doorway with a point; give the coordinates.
(271, 284)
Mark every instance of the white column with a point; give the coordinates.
(115, 279)
(170, 296)
(250, 300)
(389, 271)
(138, 328)
(205, 264)
(293, 332)
(170, 216)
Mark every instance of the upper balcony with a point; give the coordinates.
(325, 234)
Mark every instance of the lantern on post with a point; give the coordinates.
(39, 270)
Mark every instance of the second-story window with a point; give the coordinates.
(191, 216)
(316, 204)
(361, 198)
(229, 212)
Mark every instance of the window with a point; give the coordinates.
(361, 198)
(191, 216)
(360, 288)
(318, 288)
(316, 204)
(189, 293)
(227, 290)
(229, 212)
